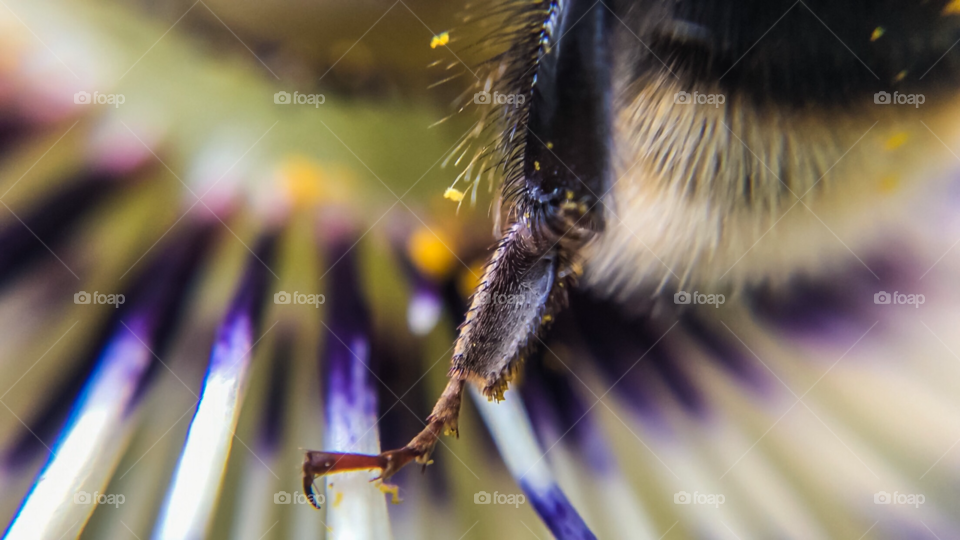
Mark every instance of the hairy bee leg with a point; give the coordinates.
(442, 420)
(522, 287)
(518, 295)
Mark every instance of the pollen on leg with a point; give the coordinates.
(391, 489)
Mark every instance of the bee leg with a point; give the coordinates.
(443, 420)
(318, 463)
(551, 205)
(524, 285)
(308, 489)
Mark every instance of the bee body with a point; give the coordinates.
(749, 137)
(732, 194)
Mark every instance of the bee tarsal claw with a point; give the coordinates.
(309, 490)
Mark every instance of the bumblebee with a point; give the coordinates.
(717, 297)
(719, 146)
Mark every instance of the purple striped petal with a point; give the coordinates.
(559, 415)
(259, 481)
(99, 426)
(27, 235)
(163, 286)
(360, 510)
(191, 499)
(510, 426)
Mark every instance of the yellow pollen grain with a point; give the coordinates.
(896, 141)
(549, 146)
(338, 499)
(452, 194)
(953, 8)
(392, 490)
(900, 76)
(877, 33)
(536, 165)
(429, 253)
(440, 40)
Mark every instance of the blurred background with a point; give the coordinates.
(196, 145)
(195, 157)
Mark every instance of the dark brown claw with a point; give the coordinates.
(443, 419)
(321, 463)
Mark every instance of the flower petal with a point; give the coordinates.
(356, 508)
(192, 498)
(510, 427)
(101, 422)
